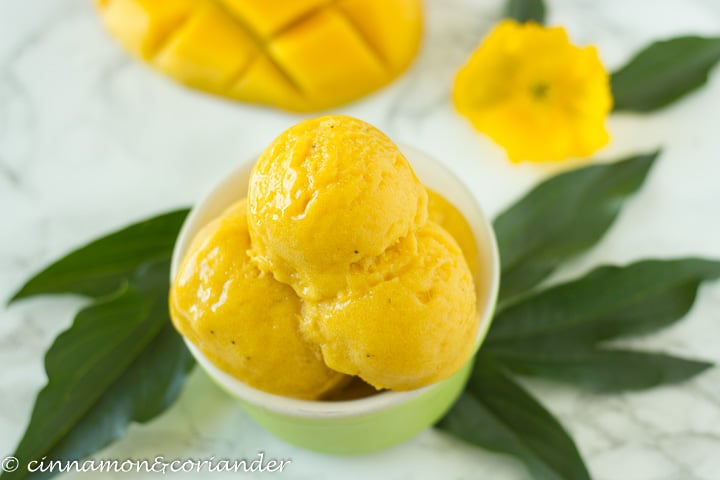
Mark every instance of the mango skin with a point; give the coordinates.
(297, 55)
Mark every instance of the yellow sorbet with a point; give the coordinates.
(445, 214)
(326, 194)
(241, 318)
(408, 317)
(339, 265)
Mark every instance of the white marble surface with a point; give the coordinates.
(90, 140)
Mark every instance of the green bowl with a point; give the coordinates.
(378, 421)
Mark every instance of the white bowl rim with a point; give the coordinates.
(487, 243)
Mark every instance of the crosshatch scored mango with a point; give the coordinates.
(298, 55)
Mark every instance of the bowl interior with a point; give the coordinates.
(435, 176)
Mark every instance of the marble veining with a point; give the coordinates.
(91, 139)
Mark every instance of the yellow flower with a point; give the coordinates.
(535, 94)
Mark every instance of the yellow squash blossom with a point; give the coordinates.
(536, 94)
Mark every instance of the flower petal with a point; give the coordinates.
(535, 93)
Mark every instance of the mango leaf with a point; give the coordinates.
(600, 370)
(561, 217)
(119, 361)
(664, 72)
(526, 10)
(609, 302)
(101, 267)
(145, 390)
(496, 413)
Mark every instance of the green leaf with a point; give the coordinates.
(496, 413)
(119, 361)
(526, 10)
(609, 302)
(561, 217)
(664, 72)
(101, 267)
(145, 390)
(599, 369)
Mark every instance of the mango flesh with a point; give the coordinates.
(326, 194)
(298, 55)
(242, 319)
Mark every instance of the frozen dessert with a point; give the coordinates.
(241, 318)
(449, 217)
(326, 194)
(409, 323)
(299, 55)
(337, 267)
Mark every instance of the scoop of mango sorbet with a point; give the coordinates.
(408, 318)
(327, 193)
(241, 318)
(445, 214)
(337, 266)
